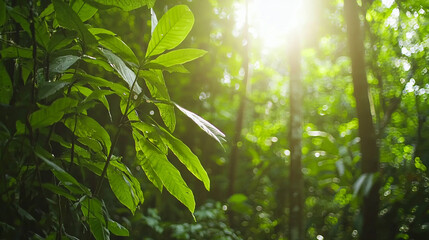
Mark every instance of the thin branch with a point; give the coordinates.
(120, 125)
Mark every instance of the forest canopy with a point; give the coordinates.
(214, 119)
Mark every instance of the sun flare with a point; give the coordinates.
(272, 21)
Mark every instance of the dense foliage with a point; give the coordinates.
(89, 136)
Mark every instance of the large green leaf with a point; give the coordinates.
(179, 57)
(118, 47)
(92, 209)
(124, 71)
(42, 33)
(136, 184)
(91, 143)
(176, 68)
(171, 30)
(126, 5)
(117, 228)
(185, 155)
(144, 163)
(87, 127)
(62, 63)
(207, 127)
(167, 173)
(59, 40)
(6, 89)
(98, 229)
(150, 132)
(156, 85)
(83, 9)
(123, 188)
(49, 115)
(68, 18)
(47, 89)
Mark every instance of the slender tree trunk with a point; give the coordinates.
(296, 204)
(240, 115)
(368, 142)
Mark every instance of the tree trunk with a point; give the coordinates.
(368, 142)
(296, 204)
(240, 114)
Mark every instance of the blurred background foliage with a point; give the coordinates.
(397, 56)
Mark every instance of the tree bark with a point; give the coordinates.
(368, 141)
(296, 203)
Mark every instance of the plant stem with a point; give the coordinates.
(34, 43)
(73, 142)
(123, 116)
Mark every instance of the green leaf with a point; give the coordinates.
(176, 68)
(99, 62)
(83, 10)
(126, 5)
(18, 14)
(179, 57)
(62, 63)
(150, 3)
(156, 85)
(98, 229)
(171, 30)
(25, 214)
(49, 115)
(118, 47)
(42, 33)
(119, 89)
(96, 31)
(168, 174)
(92, 209)
(87, 127)
(66, 179)
(136, 184)
(151, 133)
(58, 190)
(47, 89)
(91, 143)
(238, 204)
(144, 163)
(27, 69)
(100, 95)
(47, 11)
(185, 155)
(2, 12)
(117, 228)
(207, 127)
(6, 88)
(123, 188)
(17, 52)
(68, 18)
(59, 40)
(124, 71)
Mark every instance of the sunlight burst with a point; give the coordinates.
(272, 21)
